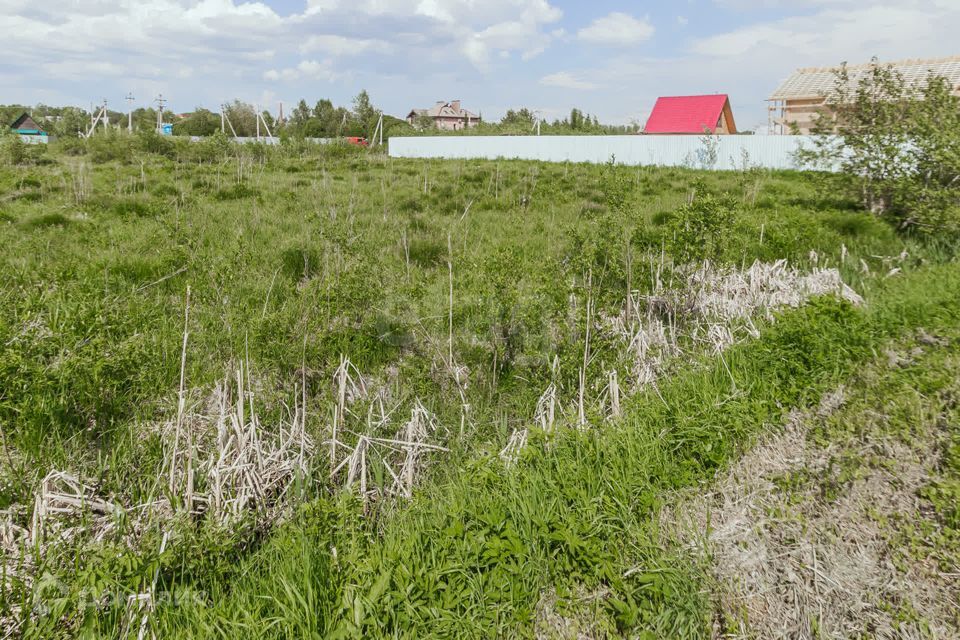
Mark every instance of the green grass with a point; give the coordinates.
(472, 558)
(295, 257)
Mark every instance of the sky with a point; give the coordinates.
(611, 58)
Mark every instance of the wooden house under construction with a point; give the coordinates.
(794, 106)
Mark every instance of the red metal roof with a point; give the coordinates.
(686, 114)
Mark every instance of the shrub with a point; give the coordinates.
(698, 230)
(150, 141)
(14, 150)
(109, 146)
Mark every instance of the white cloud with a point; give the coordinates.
(470, 13)
(833, 35)
(505, 37)
(479, 32)
(337, 45)
(312, 69)
(567, 80)
(617, 29)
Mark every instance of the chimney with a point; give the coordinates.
(456, 105)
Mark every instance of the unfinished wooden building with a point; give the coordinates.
(796, 102)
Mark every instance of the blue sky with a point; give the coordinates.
(608, 57)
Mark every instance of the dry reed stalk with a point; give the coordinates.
(581, 402)
(613, 394)
(181, 396)
(400, 455)
(62, 494)
(546, 411)
(348, 388)
(511, 453)
(236, 467)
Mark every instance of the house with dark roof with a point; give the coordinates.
(692, 115)
(449, 116)
(27, 126)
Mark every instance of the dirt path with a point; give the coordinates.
(843, 523)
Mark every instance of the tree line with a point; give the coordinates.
(323, 119)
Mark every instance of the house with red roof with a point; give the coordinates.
(692, 115)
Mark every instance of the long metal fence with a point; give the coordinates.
(704, 152)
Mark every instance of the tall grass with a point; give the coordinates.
(473, 557)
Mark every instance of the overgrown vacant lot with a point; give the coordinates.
(308, 393)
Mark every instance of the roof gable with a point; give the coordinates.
(816, 82)
(445, 110)
(25, 123)
(686, 114)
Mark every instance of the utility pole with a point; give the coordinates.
(129, 100)
(266, 127)
(225, 117)
(378, 130)
(95, 119)
(161, 101)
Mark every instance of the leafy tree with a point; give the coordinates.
(301, 115)
(522, 117)
(201, 122)
(243, 117)
(13, 149)
(424, 123)
(9, 113)
(576, 119)
(364, 112)
(145, 119)
(899, 141)
(323, 110)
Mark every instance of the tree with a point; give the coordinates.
(424, 122)
(900, 144)
(301, 114)
(201, 122)
(364, 112)
(243, 117)
(576, 119)
(522, 117)
(323, 110)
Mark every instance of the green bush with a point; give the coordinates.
(149, 141)
(13, 149)
(699, 230)
(110, 145)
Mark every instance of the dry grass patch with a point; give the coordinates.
(807, 534)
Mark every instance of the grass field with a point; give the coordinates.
(302, 392)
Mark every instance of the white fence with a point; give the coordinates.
(705, 152)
